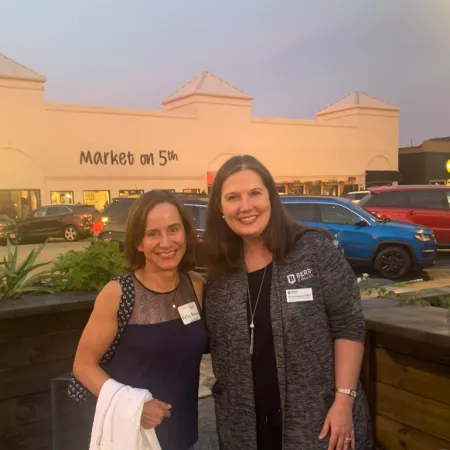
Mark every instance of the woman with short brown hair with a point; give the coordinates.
(146, 329)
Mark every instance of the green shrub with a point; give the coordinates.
(90, 269)
(16, 279)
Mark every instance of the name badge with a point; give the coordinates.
(189, 313)
(299, 295)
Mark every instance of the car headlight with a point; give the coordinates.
(425, 237)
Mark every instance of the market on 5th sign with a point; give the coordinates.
(114, 158)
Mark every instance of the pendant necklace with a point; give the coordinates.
(252, 313)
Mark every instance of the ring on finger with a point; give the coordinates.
(348, 438)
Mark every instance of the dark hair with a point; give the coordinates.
(223, 245)
(136, 222)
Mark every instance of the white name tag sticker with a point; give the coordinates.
(299, 295)
(189, 313)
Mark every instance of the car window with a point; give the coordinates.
(118, 210)
(428, 199)
(301, 212)
(41, 212)
(337, 214)
(447, 196)
(58, 210)
(355, 195)
(393, 199)
(202, 217)
(360, 195)
(198, 214)
(86, 209)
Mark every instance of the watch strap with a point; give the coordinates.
(350, 392)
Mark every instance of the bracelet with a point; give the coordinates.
(350, 392)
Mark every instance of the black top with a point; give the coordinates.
(265, 378)
(158, 352)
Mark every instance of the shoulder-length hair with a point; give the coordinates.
(136, 223)
(223, 245)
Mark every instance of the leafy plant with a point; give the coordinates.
(444, 302)
(90, 269)
(16, 279)
(369, 286)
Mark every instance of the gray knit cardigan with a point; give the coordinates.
(303, 335)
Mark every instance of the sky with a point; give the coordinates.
(294, 56)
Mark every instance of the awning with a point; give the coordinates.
(383, 176)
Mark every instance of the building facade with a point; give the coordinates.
(428, 163)
(56, 153)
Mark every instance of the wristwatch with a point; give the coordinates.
(350, 392)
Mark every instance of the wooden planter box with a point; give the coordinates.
(406, 374)
(38, 338)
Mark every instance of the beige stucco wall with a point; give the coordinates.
(41, 143)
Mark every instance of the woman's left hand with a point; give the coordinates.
(339, 423)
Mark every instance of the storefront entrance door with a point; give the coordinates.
(18, 203)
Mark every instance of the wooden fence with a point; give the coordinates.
(406, 375)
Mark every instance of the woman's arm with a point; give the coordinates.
(97, 336)
(345, 315)
(348, 357)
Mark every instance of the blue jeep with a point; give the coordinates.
(393, 248)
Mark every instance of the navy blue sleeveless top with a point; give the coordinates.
(158, 352)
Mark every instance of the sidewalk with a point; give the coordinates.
(207, 434)
(439, 285)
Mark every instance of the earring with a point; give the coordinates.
(223, 217)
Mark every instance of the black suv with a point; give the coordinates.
(114, 218)
(68, 221)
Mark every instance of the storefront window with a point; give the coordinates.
(61, 197)
(99, 199)
(131, 192)
(297, 189)
(34, 199)
(332, 190)
(18, 203)
(378, 183)
(352, 187)
(315, 189)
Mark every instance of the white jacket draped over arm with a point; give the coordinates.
(117, 420)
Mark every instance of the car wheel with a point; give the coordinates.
(71, 234)
(393, 262)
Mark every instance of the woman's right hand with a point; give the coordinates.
(154, 412)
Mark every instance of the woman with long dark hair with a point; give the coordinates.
(285, 322)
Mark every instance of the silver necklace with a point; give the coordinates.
(252, 313)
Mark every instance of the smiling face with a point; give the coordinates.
(164, 241)
(245, 204)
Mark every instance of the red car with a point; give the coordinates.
(427, 205)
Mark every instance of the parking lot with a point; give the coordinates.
(57, 246)
(50, 251)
